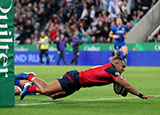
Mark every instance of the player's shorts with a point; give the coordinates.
(70, 82)
(17, 82)
(118, 46)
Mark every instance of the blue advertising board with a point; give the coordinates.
(134, 58)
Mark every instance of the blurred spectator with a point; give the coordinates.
(61, 44)
(43, 46)
(75, 44)
(125, 16)
(113, 7)
(145, 5)
(155, 35)
(151, 39)
(86, 37)
(85, 10)
(54, 33)
(157, 32)
(29, 28)
(102, 40)
(28, 41)
(100, 30)
(125, 6)
(22, 35)
(106, 34)
(49, 26)
(93, 39)
(134, 20)
(55, 20)
(158, 38)
(129, 26)
(138, 5)
(35, 37)
(81, 15)
(92, 12)
(153, 3)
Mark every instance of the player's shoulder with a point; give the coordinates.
(124, 26)
(110, 69)
(114, 27)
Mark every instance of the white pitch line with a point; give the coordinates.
(82, 100)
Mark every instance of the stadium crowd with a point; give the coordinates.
(92, 19)
(155, 37)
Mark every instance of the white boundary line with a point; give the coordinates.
(82, 100)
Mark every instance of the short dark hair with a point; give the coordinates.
(118, 58)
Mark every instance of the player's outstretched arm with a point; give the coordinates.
(146, 96)
(130, 88)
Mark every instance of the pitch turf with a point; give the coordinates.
(91, 101)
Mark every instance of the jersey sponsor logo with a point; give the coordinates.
(117, 73)
(120, 32)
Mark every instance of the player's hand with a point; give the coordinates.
(146, 96)
(117, 36)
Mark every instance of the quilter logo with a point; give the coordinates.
(6, 36)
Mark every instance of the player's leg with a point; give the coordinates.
(23, 76)
(41, 87)
(54, 87)
(63, 86)
(63, 58)
(76, 56)
(125, 51)
(17, 90)
(74, 59)
(58, 95)
(22, 83)
(59, 58)
(47, 59)
(40, 55)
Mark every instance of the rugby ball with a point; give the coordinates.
(118, 89)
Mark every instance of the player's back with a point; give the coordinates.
(96, 76)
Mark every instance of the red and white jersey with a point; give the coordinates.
(97, 76)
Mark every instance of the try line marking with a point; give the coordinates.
(82, 100)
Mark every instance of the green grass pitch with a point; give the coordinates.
(91, 101)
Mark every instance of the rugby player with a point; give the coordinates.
(119, 34)
(72, 81)
(20, 84)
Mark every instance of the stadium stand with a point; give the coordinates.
(93, 17)
(145, 26)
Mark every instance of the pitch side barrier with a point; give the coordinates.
(96, 47)
(6, 53)
(93, 54)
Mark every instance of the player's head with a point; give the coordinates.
(119, 64)
(62, 36)
(119, 21)
(42, 34)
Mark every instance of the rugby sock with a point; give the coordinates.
(31, 77)
(32, 89)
